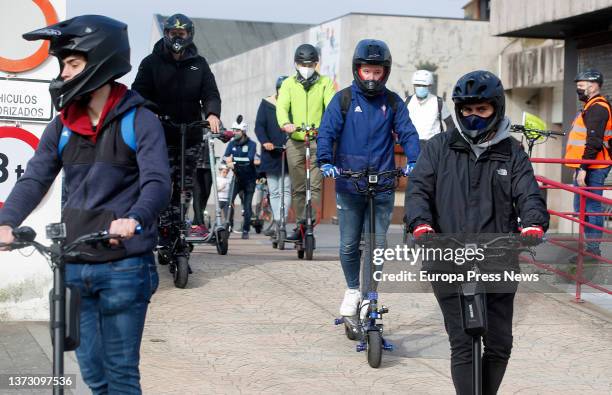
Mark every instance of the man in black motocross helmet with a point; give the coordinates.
(178, 32)
(178, 81)
(102, 41)
(110, 149)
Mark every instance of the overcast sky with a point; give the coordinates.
(138, 14)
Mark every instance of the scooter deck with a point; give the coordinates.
(199, 239)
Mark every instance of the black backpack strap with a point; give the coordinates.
(440, 112)
(392, 100)
(345, 100)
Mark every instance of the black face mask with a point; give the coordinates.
(178, 44)
(582, 96)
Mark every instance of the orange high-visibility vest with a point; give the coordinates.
(576, 141)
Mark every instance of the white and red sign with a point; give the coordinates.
(17, 146)
(24, 99)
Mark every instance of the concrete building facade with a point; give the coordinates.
(573, 36)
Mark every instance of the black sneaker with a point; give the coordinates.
(245, 235)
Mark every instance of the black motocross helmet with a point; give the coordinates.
(279, 81)
(306, 54)
(104, 43)
(591, 75)
(476, 87)
(178, 21)
(374, 52)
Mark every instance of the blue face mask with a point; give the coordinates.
(421, 92)
(474, 122)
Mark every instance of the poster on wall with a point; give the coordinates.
(326, 38)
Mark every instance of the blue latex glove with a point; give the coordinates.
(330, 170)
(408, 169)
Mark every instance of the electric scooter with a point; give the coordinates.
(367, 327)
(65, 301)
(306, 244)
(179, 250)
(218, 233)
(473, 294)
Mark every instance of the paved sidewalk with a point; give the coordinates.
(261, 321)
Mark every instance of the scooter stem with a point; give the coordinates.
(58, 324)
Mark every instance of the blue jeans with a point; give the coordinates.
(114, 301)
(274, 181)
(353, 218)
(594, 178)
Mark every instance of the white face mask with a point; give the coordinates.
(305, 72)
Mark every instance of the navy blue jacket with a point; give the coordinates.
(243, 156)
(364, 140)
(103, 181)
(268, 131)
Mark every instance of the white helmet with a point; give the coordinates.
(422, 77)
(240, 126)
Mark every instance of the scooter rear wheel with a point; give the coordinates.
(375, 347)
(222, 241)
(300, 254)
(181, 272)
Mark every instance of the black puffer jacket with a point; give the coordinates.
(455, 192)
(181, 89)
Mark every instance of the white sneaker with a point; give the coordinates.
(350, 302)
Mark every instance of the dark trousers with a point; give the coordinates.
(201, 193)
(497, 341)
(247, 188)
(172, 213)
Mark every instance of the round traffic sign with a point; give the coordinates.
(34, 60)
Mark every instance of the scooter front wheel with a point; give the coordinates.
(375, 347)
(309, 245)
(282, 236)
(181, 272)
(222, 241)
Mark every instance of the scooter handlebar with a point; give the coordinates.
(202, 124)
(522, 129)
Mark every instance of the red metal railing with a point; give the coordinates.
(584, 194)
